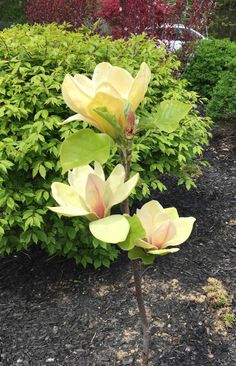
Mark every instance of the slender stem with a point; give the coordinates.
(126, 155)
(142, 311)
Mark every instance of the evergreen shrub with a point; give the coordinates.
(33, 63)
(211, 58)
(222, 105)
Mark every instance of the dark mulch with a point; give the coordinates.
(54, 313)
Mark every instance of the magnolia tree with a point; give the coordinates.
(108, 103)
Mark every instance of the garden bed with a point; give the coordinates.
(54, 313)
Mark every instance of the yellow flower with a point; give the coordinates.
(89, 194)
(164, 228)
(111, 88)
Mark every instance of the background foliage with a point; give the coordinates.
(11, 11)
(224, 21)
(34, 61)
(222, 105)
(211, 58)
(121, 18)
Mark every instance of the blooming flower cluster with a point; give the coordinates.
(111, 90)
(108, 102)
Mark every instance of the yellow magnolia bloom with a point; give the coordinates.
(89, 194)
(111, 88)
(164, 228)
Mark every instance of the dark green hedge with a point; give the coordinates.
(211, 58)
(11, 12)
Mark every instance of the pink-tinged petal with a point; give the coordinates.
(163, 234)
(147, 215)
(184, 226)
(95, 187)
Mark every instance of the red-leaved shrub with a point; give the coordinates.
(120, 18)
(58, 11)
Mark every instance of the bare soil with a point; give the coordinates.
(54, 313)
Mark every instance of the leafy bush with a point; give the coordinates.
(58, 11)
(222, 105)
(12, 11)
(34, 61)
(211, 58)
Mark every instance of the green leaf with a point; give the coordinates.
(83, 147)
(42, 171)
(167, 117)
(139, 253)
(136, 232)
(102, 112)
(112, 229)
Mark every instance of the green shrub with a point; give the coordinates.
(222, 105)
(12, 11)
(211, 58)
(34, 61)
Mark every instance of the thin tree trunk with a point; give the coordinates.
(126, 155)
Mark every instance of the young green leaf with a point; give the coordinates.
(83, 147)
(136, 232)
(167, 117)
(139, 253)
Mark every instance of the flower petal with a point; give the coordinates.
(78, 177)
(95, 187)
(147, 215)
(66, 196)
(107, 88)
(100, 73)
(111, 229)
(69, 211)
(98, 170)
(78, 117)
(164, 233)
(116, 178)
(144, 244)
(163, 251)
(139, 87)
(123, 191)
(171, 212)
(184, 226)
(74, 96)
(85, 84)
(121, 80)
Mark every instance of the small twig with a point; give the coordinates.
(93, 337)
